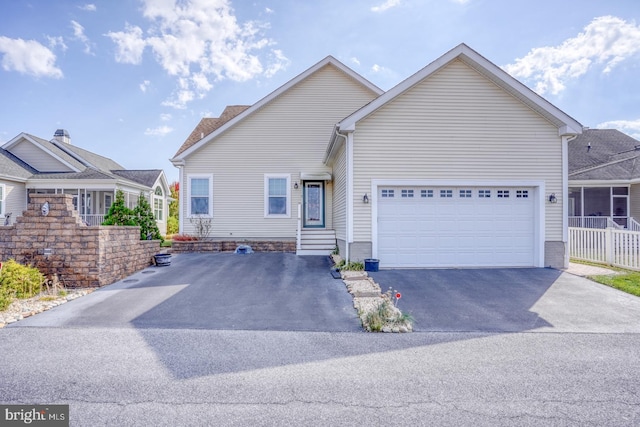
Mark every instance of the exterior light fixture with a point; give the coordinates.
(295, 185)
(365, 198)
(553, 198)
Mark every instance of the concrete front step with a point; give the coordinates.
(317, 242)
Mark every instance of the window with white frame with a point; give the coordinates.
(158, 204)
(200, 195)
(277, 196)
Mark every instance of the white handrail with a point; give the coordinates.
(299, 230)
(633, 224)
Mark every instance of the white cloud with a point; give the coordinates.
(159, 131)
(88, 7)
(630, 127)
(355, 60)
(460, 1)
(268, 10)
(165, 117)
(28, 57)
(129, 43)
(57, 41)
(145, 85)
(385, 6)
(199, 42)
(606, 41)
(78, 33)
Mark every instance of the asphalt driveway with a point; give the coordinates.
(510, 300)
(224, 291)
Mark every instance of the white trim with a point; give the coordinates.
(181, 200)
(349, 154)
(3, 199)
(273, 95)
(565, 194)
(539, 187)
(26, 137)
(267, 177)
(564, 122)
(188, 198)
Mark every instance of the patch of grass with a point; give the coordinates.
(166, 244)
(351, 266)
(48, 298)
(628, 282)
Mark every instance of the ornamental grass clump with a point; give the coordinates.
(18, 281)
(387, 317)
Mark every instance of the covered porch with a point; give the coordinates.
(92, 204)
(601, 207)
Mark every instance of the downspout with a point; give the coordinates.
(565, 196)
(348, 194)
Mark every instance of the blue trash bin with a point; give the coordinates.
(371, 264)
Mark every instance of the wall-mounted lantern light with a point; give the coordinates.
(295, 185)
(365, 198)
(553, 198)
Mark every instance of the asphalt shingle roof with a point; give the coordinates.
(145, 177)
(603, 154)
(209, 124)
(12, 166)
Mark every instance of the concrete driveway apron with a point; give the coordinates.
(510, 300)
(226, 291)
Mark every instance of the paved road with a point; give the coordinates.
(128, 373)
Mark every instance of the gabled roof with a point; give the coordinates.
(329, 60)
(210, 124)
(13, 168)
(49, 148)
(566, 124)
(88, 158)
(604, 154)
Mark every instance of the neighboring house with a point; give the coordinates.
(604, 180)
(460, 165)
(29, 164)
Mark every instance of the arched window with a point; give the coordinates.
(158, 204)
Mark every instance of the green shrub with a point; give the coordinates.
(18, 281)
(119, 213)
(143, 216)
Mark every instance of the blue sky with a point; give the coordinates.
(130, 79)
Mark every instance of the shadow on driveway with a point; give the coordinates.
(470, 300)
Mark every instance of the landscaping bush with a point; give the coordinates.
(119, 213)
(183, 238)
(18, 281)
(143, 216)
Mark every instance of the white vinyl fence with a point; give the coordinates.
(611, 246)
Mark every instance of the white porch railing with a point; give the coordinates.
(593, 222)
(612, 246)
(299, 230)
(92, 219)
(633, 224)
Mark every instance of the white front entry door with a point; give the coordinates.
(456, 227)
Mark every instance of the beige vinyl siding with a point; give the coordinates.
(340, 194)
(289, 135)
(38, 158)
(456, 125)
(15, 199)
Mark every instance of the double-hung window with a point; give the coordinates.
(158, 202)
(277, 196)
(200, 195)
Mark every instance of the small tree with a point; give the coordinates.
(145, 219)
(173, 224)
(119, 213)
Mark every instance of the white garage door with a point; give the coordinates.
(456, 227)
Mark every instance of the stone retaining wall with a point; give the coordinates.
(231, 245)
(59, 244)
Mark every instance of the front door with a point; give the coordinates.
(313, 204)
